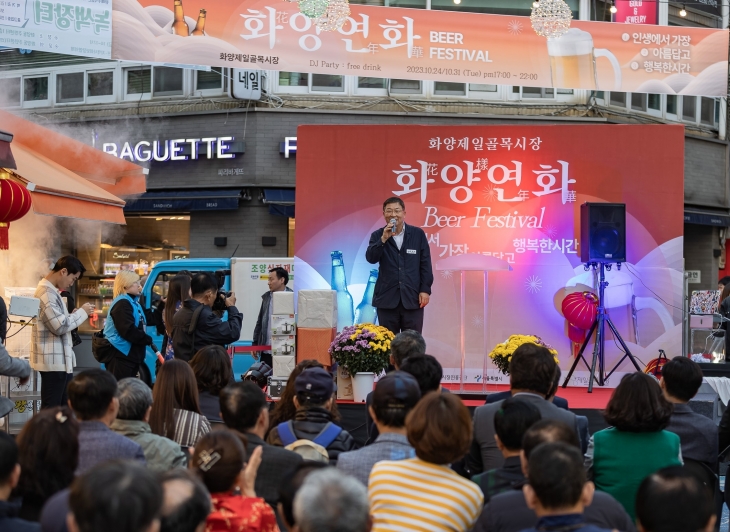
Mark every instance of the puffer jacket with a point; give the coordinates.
(308, 423)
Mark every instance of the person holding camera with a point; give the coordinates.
(195, 325)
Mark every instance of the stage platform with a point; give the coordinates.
(354, 415)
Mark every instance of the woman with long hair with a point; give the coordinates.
(213, 372)
(178, 292)
(125, 327)
(285, 409)
(176, 407)
(636, 444)
(48, 454)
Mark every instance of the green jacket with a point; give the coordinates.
(161, 454)
(622, 460)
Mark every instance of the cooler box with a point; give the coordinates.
(315, 344)
(317, 309)
(283, 365)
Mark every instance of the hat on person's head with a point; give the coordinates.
(315, 382)
(397, 389)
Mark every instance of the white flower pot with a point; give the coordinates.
(362, 385)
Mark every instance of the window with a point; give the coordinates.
(209, 80)
(449, 89)
(100, 83)
(618, 99)
(35, 89)
(481, 88)
(70, 87)
(405, 86)
(600, 95)
(139, 80)
(371, 83)
(655, 102)
(671, 104)
(638, 101)
(707, 111)
(327, 83)
(10, 91)
(293, 79)
(689, 108)
(168, 81)
(533, 92)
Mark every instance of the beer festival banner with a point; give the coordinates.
(510, 192)
(387, 42)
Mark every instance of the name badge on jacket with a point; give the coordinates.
(411, 251)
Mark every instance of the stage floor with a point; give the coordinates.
(578, 398)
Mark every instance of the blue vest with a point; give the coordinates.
(110, 331)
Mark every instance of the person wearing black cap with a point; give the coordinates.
(394, 396)
(313, 420)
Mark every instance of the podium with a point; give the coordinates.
(473, 262)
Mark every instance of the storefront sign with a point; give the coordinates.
(172, 150)
(449, 46)
(636, 12)
(694, 276)
(506, 192)
(75, 27)
(246, 84)
(288, 147)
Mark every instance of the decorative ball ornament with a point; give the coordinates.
(551, 18)
(14, 204)
(313, 8)
(335, 16)
(580, 309)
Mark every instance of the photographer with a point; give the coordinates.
(195, 325)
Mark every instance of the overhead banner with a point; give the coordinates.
(387, 42)
(74, 27)
(510, 192)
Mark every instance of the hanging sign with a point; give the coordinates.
(399, 43)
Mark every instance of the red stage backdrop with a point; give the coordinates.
(512, 192)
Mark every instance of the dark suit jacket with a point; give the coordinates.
(275, 463)
(98, 443)
(501, 396)
(697, 435)
(508, 512)
(484, 454)
(404, 273)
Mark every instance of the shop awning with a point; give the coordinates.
(280, 201)
(57, 191)
(185, 201)
(117, 176)
(706, 218)
(6, 156)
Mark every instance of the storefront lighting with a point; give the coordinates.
(457, 2)
(613, 7)
(683, 12)
(158, 219)
(535, 4)
(551, 18)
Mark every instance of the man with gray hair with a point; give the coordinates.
(330, 501)
(135, 404)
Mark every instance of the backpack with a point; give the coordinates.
(314, 450)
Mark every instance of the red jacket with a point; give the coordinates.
(235, 513)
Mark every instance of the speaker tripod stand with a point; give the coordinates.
(598, 327)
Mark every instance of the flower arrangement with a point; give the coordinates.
(362, 348)
(502, 353)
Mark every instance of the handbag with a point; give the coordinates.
(101, 348)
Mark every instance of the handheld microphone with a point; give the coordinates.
(393, 221)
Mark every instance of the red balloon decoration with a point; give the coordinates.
(14, 204)
(580, 309)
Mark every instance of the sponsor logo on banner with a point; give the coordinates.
(448, 46)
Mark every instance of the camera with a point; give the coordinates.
(220, 304)
(258, 373)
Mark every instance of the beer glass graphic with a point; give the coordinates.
(573, 61)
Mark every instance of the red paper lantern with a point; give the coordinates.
(580, 309)
(14, 204)
(576, 335)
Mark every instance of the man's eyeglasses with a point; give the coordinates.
(390, 212)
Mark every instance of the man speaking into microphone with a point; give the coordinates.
(405, 276)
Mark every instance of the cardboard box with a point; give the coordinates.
(283, 324)
(282, 303)
(317, 309)
(276, 386)
(283, 365)
(315, 344)
(284, 345)
(344, 385)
